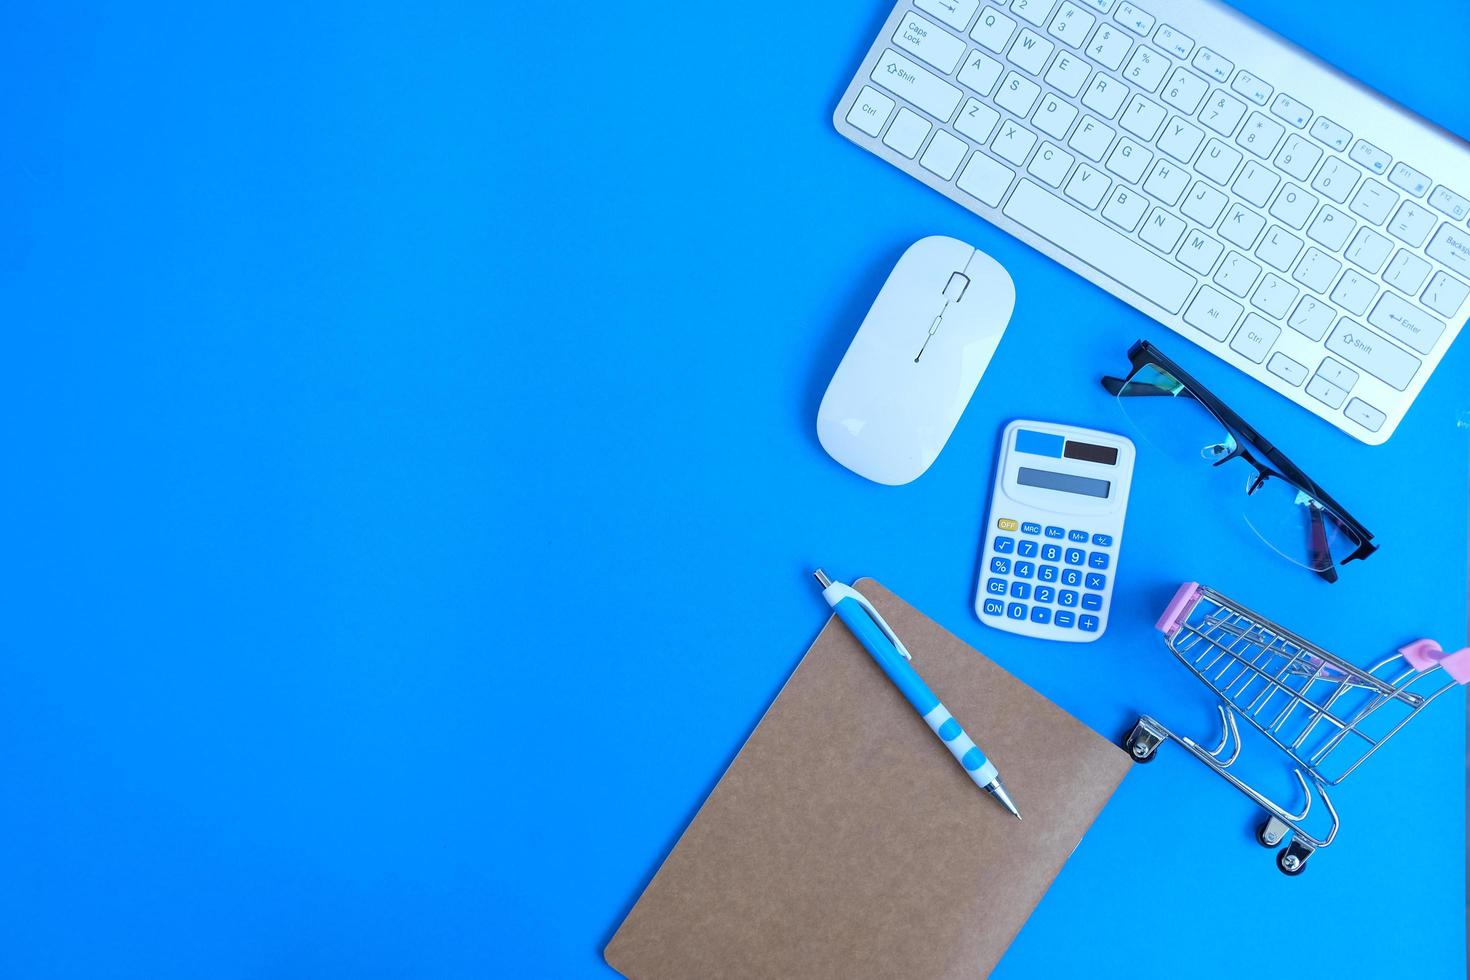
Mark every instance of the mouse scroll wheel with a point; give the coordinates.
(955, 288)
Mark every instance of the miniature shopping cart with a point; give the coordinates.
(1328, 715)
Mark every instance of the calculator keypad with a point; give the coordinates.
(1048, 583)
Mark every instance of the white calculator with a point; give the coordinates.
(1056, 523)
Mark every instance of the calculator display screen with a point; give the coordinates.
(1086, 451)
(1065, 482)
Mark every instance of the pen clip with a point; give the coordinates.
(878, 620)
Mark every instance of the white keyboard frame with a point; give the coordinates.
(1368, 114)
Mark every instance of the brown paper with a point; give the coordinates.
(844, 841)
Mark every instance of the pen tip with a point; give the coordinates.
(1018, 816)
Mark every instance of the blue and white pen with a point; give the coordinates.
(888, 650)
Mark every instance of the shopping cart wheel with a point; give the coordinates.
(1143, 742)
(1270, 833)
(1292, 859)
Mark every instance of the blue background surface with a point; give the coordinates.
(414, 483)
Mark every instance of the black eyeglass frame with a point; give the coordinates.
(1143, 354)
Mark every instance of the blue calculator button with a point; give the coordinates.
(1097, 580)
(1070, 576)
(1092, 601)
(1040, 615)
(994, 607)
(1064, 619)
(1026, 549)
(1103, 540)
(1016, 610)
(1079, 536)
(1030, 527)
(1047, 573)
(1020, 590)
(1044, 593)
(1000, 566)
(1076, 556)
(1051, 552)
(1087, 624)
(1098, 559)
(1066, 597)
(1004, 546)
(996, 586)
(1024, 569)
(1054, 532)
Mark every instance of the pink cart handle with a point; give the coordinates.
(1426, 654)
(1178, 608)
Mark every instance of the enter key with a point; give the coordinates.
(1405, 321)
(1358, 345)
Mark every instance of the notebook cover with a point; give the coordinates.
(844, 841)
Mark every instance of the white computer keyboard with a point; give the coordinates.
(1222, 180)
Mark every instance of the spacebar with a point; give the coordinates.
(1099, 246)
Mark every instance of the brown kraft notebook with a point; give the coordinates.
(844, 841)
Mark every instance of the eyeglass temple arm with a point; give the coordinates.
(1319, 550)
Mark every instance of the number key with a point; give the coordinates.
(1024, 569)
(1020, 590)
(1066, 597)
(1044, 593)
(1046, 573)
(1051, 553)
(1070, 576)
(1075, 556)
(1016, 610)
(1026, 549)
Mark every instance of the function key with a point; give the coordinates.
(1016, 610)
(1075, 556)
(1000, 566)
(1078, 536)
(1027, 549)
(1177, 44)
(1006, 524)
(1053, 531)
(1213, 65)
(1040, 614)
(1004, 545)
(1448, 202)
(1020, 590)
(1294, 112)
(1087, 624)
(1030, 527)
(1370, 156)
(1092, 601)
(1066, 597)
(1044, 593)
(1047, 573)
(1252, 87)
(1098, 559)
(1103, 540)
(1024, 569)
(1324, 130)
(1103, 5)
(1135, 18)
(994, 607)
(996, 586)
(955, 13)
(1409, 179)
(1097, 580)
(1064, 619)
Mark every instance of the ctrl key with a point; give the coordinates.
(870, 111)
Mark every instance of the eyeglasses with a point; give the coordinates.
(1282, 504)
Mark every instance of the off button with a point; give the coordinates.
(1006, 524)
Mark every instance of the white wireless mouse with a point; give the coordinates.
(915, 362)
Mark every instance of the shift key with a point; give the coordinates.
(918, 85)
(1357, 344)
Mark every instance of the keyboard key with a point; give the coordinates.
(1326, 131)
(977, 120)
(1040, 614)
(1298, 157)
(1326, 392)
(1016, 610)
(955, 13)
(1316, 270)
(1185, 91)
(907, 133)
(1286, 369)
(1000, 566)
(1135, 18)
(1105, 95)
(1103, 540)
(1092, 601)
(1125, 207)
(1023, 569)
(1051, 552)
(1027, 549)
(1451, 246)
(918, 85)
(944, 155)
(1071, 24)
(1174, 42)
(1362, 347)
(996, 586)
(1408, 179)
(1331, 228)
(1167, 182)
(993, 30)
(1067, 75)
(1088, 624)
(1445, 294)
(1218, 162)
(1036, 11)
(1129, 160)
(1370, 156)
(870, 110)
(1064, 619)
(1109, 47)
(1279, 250)
(1354, 291)
(1213, 65)
(1311, 318)
(1241, 226)
(1448, 202)
(1103, 249)
(1412, 224)
(1200, 252)
(1274, 296)
(1222, 113)
(994, 607)
(1213, 313)
(1098, 559)
(1017, 94)
(1369, 250)
(1142, 118)
(1078, 536)
(1337, 374)
(1237, 274)
(1067, 597)
(1031, 51)
(981, 72)
(1050, 165)
(1373, 202)
(1335, 180)
(1364, 414)
(1256, 183)
(985, 180)
(1162, 230)
(1020, 590)
(1255, 338)
(1003, 545)
(1406, 272)
(1046, 573)
(1087, 186)
(1071, 577)
(1252, 88)
(1054, 117)
(1091, 138)
(1296, 114)
(1406, 322)
(1260, 135)
(1204, 204)
(928, 41)
(1044, 593)
(1146, 68)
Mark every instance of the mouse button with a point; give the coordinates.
(954, 290)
